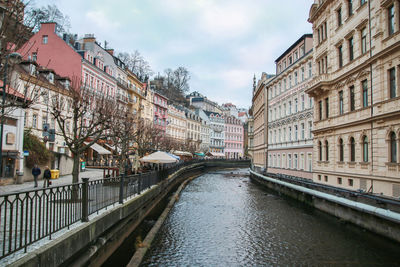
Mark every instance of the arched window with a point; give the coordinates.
(393, 147)
(320, 150)
(341, 150)
(365, 148)
(352, 149)
(326, 150)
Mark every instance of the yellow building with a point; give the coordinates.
(136, 93)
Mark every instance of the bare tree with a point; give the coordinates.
(136, 63)
(90, 117)
(174, 84)
(123, 134)
(13, 35)
(148, 138)
(35, 16)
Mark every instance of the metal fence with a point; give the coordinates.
(29, 216)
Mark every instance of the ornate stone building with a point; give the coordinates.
(357, 96)
(290, 112)
(234, 135)
(176, 126)
(260, 132)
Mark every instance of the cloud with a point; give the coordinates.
(101, 20)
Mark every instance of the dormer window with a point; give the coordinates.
(33, 69)
(51, 77)
(34, 56)
(67, 84)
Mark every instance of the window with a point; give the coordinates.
(319, 177)
(295, 161)
(352, 99)
(339, 16)
(339, 180)
(309, 69)
(302, 131)
(392, 82)
(310, 129)
(290, 160)
(350, 182)
(320, 109)
(295, 78)
(302, 74)
(393, 147)
(391, 19)
(350, 7)
(341, 150)
(351, 49)
(34, 56)
(352, 150)
(326, 150)
(295, 105)
(341, 111)
(364, 85)
(340, 56)
(327, 107)
(290, 107)
(326, 178)
(45, 39)
(302, 102)
(365, 148)
(320, 150)
(295, 133)
(290, 133)
(364, 40)
(34, 121)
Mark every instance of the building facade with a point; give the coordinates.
(177, 125)
(234, 135)
(290, 112)
(217, 134)
(160, 111)
(356, 93)
(260, 113)
(193, 136)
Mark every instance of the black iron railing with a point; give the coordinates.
(29, 216)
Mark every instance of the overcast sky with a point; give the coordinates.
(223, 43)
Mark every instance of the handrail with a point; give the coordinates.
(31, 215)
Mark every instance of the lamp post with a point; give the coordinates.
(15, 58)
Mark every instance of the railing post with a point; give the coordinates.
(85, 200)
(121, 189)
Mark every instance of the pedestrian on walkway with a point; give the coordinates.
(46, 176)
(36, 172)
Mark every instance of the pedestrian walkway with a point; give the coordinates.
(63, 180)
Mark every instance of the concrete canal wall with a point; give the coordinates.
(93, 242)
(378, 220)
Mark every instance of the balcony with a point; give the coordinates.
(122, 98)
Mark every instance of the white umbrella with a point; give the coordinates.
(159, 157)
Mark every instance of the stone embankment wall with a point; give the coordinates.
(379, 220)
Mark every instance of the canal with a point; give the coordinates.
(224, 219)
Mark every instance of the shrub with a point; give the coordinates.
(38, 153)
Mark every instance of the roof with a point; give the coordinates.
(209, 113)
(307, 35)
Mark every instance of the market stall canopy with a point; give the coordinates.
(159, 157)
(99, 149)
(215, 154)
(174, 156)
(182, 153)
(200, 154)
(115, 148)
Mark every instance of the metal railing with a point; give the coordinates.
(29, 216)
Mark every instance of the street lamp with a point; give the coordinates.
(14, 58)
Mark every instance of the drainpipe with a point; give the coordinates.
(372, 103)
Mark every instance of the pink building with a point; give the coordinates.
(160, 111)
(67, 59)
(234, 136)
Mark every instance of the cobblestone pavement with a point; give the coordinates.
(66, 179)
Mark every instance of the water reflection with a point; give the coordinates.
(223, 219)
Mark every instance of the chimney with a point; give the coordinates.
(110, 51)
(89, 38)
(49, 26)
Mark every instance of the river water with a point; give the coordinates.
(224, 219)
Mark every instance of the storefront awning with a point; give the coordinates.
(99, 149)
